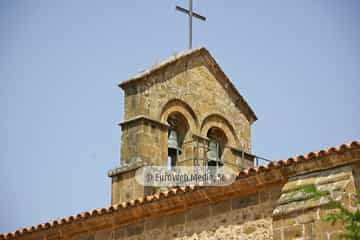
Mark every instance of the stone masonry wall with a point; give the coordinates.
(193, 83)
(274, 204)
(279, 212)
(145, 140)
(299, 212)
(245, 217)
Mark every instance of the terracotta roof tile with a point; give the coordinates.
(178, 190)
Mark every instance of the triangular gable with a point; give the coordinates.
(229, 87)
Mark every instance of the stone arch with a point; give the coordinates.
(218, 121)
(216, 134)
(179, 123)
(180, 107)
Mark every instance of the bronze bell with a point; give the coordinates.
(173, 142)
(212, 154)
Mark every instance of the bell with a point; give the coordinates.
(173, 144)
(212, 153)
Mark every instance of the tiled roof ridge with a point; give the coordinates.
(177, 190)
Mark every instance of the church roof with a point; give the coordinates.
(297, 164)
(229, 86)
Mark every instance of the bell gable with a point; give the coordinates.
(183, 75)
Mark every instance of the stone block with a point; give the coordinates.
(275, 193)
(134, 229)
(176, 219)
(308, 231)
(294, 196)
(87, 237)
(264, 196)
(155, 234)
(249, 229)
(333, 178)
(290, 186)
(244, 201)
(308, 217)
(154, 223)
(220, 207)
(104, 235)
(284, 222)
(118, 233)
(293, 232)
(307, 181)
(198, 213)
(174, 232)
(277, 234)
(322, 226)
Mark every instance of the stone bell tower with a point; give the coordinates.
(184, 111)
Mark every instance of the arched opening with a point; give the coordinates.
(218, 121)
(180, 107)
(216, 146)
(177, 133)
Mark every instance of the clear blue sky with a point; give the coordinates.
(297, 63)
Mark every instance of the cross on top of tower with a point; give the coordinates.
(191, 14)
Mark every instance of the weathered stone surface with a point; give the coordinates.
(244, 201)
(135, 229)
(155, 223)
(201, 99)
(299, 212)
(308, 231)
(104, 235)
(293, 232)
(88, 237)
(195, 86)
(294, 196)
(308, 217)
(175, 219)
(198, 213)
(220, 207)
(218, 219)
(119, 233)
(330, 183)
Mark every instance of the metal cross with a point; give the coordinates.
(191, 14)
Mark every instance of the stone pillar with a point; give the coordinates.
(144, 142)
(124, 186)
(144, 138)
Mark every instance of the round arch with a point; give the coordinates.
(178, 106)
(218, 121)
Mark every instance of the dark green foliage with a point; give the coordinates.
(311, 190)
(349, 219)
